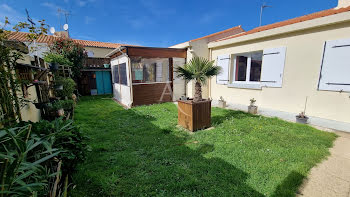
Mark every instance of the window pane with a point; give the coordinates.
(123, 74)
(255, 69)
(241, 68)
(115, 71)
(149, 70)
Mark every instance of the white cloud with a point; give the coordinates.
(7, 8)
(50, 5)
(209, 17)
(138, 22)
(89, 20)
(156, 9)
(53, 7)
(13, 16)
(127, 42)
(82, 3)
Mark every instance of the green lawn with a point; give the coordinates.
(141, 152)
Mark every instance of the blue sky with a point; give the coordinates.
(159, 23)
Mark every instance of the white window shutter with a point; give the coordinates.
(335, 71)
(223, 61)
(273, 66)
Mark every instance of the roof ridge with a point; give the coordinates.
(98, 41)
(217, 33)
(311, 16)
(45, 38)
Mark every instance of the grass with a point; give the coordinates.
(141, 152)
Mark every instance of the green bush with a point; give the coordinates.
(56, 58)
(68, 87)
(67, 105)
(30, 152)
(67, 138)
(26, 161)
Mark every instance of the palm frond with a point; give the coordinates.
(199, 69)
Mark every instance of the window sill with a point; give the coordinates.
(254, 86)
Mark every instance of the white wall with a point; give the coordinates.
(300, 78)
(37, 49)
(197, 48)
(122, 93)
(179, 86)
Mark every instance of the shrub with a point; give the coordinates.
(24, 161)
(67, 105)
(67, 138)
(56, 58)
(31, 152)
(73, 51)
(68, 87)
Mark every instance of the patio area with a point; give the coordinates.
(142, 151)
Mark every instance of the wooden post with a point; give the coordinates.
(171, 75)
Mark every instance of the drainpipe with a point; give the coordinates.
(209, 83)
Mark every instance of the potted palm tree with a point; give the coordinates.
(195, 114)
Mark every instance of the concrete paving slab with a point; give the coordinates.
(332, 176)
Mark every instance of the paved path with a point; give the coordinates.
(332, 176)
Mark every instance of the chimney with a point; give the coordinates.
(343, 4)
(62, 34)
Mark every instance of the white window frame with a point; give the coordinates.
(243, 84)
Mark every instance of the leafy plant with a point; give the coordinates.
(67, 138)
(66, 105)
(34, 157)
(68, 87)
(252, 102)
(301, 115)
(198, 69)
(56, 58)
(73, 51)
(22, 154)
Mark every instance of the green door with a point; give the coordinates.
(103, 82)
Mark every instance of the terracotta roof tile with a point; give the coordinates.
(89, 43)
(22, 36)
(312, 16)
(219, 35)
(227, 32)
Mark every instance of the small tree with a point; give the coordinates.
(74, 52)
(198, 69)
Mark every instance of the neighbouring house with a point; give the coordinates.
(145, 75)
(199, 47)
(96, 75)
(288, 67)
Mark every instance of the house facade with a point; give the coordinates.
(199, 47)
(289, 67)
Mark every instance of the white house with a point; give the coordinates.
(288, 67)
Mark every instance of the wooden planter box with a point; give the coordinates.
(194, 116)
